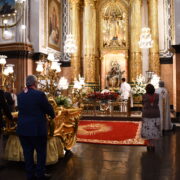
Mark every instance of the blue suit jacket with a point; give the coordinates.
(33, 107)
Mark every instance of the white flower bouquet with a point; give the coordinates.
(138, 86)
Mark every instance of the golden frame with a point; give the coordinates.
(103, 7)
(54, 24)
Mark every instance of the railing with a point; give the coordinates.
(110, 108)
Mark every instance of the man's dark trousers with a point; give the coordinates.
(29, 144)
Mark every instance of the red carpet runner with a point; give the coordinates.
(110, 132)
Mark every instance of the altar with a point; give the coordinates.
(62, 136)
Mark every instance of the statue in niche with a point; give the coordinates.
(114, 29)
(114, 75)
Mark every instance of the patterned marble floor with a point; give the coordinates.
(111, 162)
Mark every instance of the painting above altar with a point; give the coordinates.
(114, 67)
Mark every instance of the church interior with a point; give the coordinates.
(82, 52)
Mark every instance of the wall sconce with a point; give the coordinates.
(7, 73)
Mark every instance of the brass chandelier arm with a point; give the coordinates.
(12, 25)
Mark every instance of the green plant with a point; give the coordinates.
(63, 101)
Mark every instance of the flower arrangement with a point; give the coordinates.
(103, 96)
(138, 86)
(155, 81)
(63, 101)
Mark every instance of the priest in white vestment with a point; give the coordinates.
(164, 107)
(125, 89)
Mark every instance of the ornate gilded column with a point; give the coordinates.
(154, 64)
(75, 24)
(135, 28)
(89, 44)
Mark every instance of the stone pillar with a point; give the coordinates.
(135, 51)
(154, 64)
(75, 24)
(89, 44)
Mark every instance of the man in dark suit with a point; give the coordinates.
(32, 129)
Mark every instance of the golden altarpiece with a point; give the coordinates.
(107, 40)
(107, 33)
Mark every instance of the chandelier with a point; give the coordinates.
(48, 75)
(7, 73)
(145, 39)
(11, 14)
(70, 44)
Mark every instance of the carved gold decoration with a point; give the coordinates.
(89, 2)
(135, 52)
(75, 58)
(89, 44)
(114, 25)
(74, 1)
(65, 130)
(153, 24)
(76, 65)
(66, 125)
(135, 64)
(90, 74)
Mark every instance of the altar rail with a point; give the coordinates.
(110, 108)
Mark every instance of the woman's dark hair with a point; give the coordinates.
(150, 89)
(123, 79)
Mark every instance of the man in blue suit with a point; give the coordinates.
(32, 127)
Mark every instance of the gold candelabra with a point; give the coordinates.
(7, 73)
(48, 75)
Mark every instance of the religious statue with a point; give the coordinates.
(114, 75)
(114, 29)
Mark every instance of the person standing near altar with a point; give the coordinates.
(125, 89)
(164, 107)
(150, 117)
(32, 127)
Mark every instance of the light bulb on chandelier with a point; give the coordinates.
(39, 67)
(20, 1)
(7, 34)
(63, 84)
(3, 59)
(70, 44)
